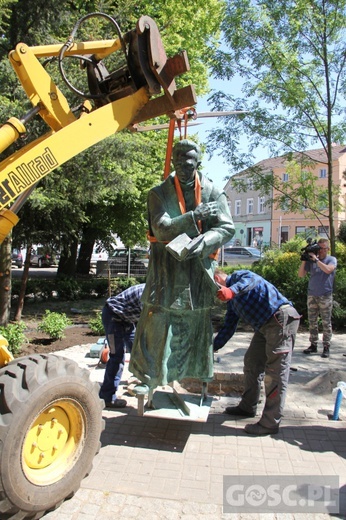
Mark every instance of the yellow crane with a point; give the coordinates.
(50, 411)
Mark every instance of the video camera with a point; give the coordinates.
(312, 247)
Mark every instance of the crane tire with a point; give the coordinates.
(50, 428)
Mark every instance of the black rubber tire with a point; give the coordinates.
(31, 387)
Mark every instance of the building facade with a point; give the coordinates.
(259, 222)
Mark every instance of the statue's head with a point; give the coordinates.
(186, 159)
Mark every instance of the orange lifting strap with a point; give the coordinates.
(187, 113)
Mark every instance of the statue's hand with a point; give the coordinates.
(203, 211)
(196, 252)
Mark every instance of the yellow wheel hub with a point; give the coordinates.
(53, 442)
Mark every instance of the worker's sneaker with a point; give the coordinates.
(258, 429)
(118, 403)
(311, 350)
(236, 410)
(325, 353)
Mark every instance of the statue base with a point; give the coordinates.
(172, 402)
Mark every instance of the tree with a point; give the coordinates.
(290, 56)
(342, 232)
(86, 207)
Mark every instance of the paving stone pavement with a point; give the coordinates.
(160, 468)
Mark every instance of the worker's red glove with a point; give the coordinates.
(224, 294)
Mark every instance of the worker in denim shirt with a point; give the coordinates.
(275, 321)
(119, 317)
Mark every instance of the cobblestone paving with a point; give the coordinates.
(159, 468)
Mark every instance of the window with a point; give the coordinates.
(323, 173)
(285, 177)
(249, 184)
(237, 207)
(249, 206)
(323, 231)
(300, 229)
(284, 234)
(260, 204)
(285, 203)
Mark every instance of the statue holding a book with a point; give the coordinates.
(189, 220)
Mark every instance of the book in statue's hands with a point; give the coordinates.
(182, 245)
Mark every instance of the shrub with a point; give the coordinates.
(340, 253)
(54, 324)
(342, 232)
(68, 288)
(339, 303)
(120, 284)
(96, 324)
(14, 333)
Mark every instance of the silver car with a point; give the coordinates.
(239, 255)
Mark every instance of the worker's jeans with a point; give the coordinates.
(120, 335)
(268, 358)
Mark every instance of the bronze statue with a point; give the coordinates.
(189, 220)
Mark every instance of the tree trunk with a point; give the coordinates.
(5, 280)
(24, 282)
(84, 257)
(331, 204)
(67, 262)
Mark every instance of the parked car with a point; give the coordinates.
(239, 255)
(17, 258)
(119, 260)
(42, 257)
(97, 255)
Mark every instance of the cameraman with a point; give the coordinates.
(320, 294)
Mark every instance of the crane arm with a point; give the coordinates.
(141, 89)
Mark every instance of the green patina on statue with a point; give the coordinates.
(189, 220)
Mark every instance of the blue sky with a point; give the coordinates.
(215, 167)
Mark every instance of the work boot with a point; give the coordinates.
(236, 410)
(325, 353)
(258, 429)
(311, 350)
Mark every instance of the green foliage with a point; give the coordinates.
(120, 284)
(342, 232)
(54, 324)
(68, 288)
(96, 324)
(339, 308)
(289, 67)
(73, 288)
(14, 333)
(280, 269)
(102, 190)
(340, 253)
(294, 245)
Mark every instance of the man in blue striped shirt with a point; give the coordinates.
(119, 317)
(275, 321)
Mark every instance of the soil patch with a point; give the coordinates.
(41, 343)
